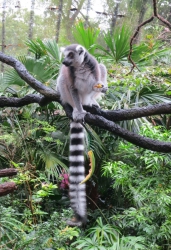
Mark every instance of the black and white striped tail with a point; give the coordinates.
(77, 191)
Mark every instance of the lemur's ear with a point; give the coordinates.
(62, 49)
(80, 49)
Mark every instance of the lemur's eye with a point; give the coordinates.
(71, 55)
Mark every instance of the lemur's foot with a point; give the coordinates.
(74, 223)
(78, 116)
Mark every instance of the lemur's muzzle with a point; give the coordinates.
(66, 63)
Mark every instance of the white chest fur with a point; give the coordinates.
(84, 80)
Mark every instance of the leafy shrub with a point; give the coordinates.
(142, 177)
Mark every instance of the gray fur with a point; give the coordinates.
(76, 83)
(79, 75)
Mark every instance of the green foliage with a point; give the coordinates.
(142, 177)
(99, 237)
(103, 237)
(33, 141)
(44, 66)
(117, 44)
(134, 192)
(144, 54)
(10, 227)
(137, 90)
(47, 48)
(86, 36)
(150, 51)
(52, 234)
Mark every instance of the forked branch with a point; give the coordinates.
(155, 14)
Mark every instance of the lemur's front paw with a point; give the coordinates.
(78, 116)
(99, 87)
(104, 90)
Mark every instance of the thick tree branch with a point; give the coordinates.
(100, 118)
(138, 140)
(8, 172)
(129, 114)
(112, 115)
(7, 188)
(28, 99)
(23, 73)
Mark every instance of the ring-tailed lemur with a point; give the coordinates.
(81, 81)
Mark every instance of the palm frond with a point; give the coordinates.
(86, 36)
(117, 44)
(53, 49)
(53, 166)
(37, 47)
(93, 142)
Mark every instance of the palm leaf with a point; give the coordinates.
(53, 49)
(11, 77)
(37, 47)
(94, 143)
(86, 36)
(53, 166)
(117, 44)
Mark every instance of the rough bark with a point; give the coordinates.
(100, 118)
(111, 115)
(7, 188)
(135, 139)
(8, 172)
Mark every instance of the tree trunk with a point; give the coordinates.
(169, 15)
(114, 17)
(31, 22)
(87, 13)
(141, 18)
(8, 172)
(70, 18)
(58, 25)
(7, 188)
(3, 31)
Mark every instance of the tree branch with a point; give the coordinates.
(8, 172)
(138, 140)
(23, 73)
(129, 114)
(100, 118)
(111, 115)
(155, 14)
(7, 188)
(28, 99)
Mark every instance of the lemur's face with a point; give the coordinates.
(73, 55)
